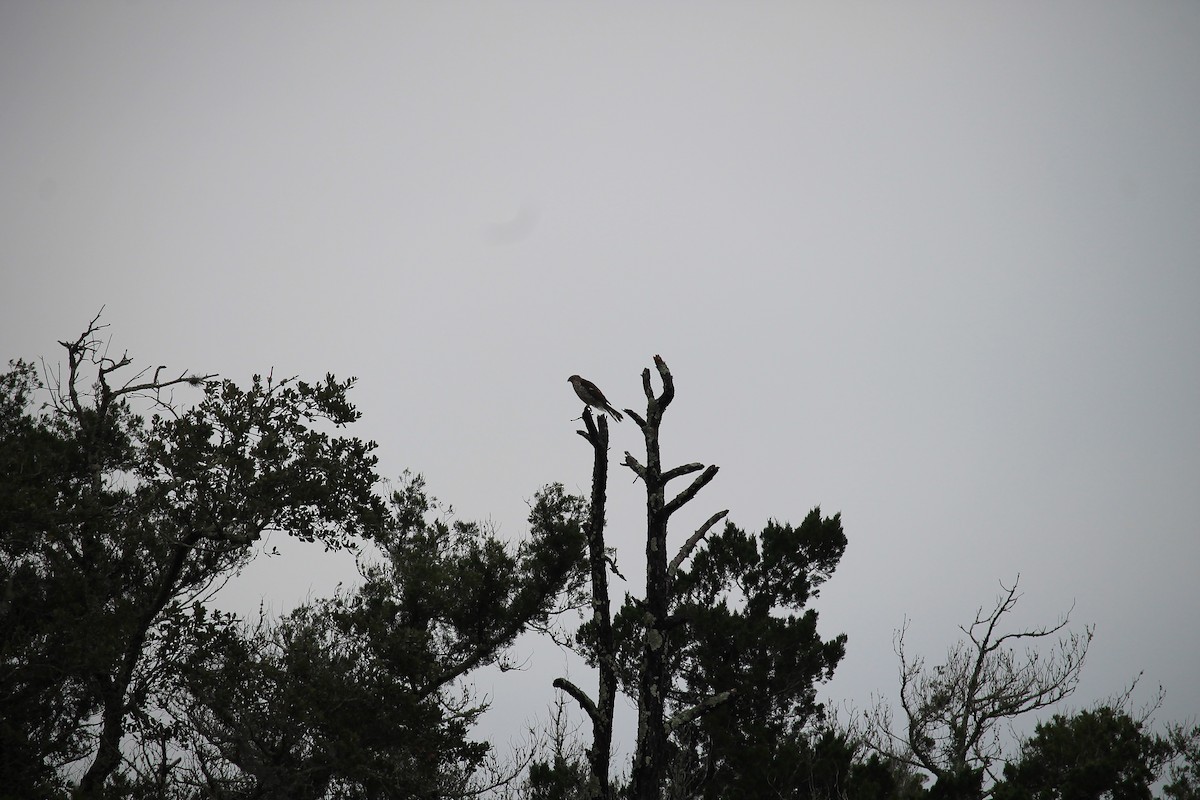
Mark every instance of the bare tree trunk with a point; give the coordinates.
(650, 756)
(116, 687)
(108, 752)
(601, 712)
(654, 677)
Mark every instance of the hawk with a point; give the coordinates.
(590, 394)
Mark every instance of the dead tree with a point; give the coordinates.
(599, 712)
(653, 675)
(652, 678)
(952, 711)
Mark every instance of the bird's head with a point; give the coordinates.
(574, 380)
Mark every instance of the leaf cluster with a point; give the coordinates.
(1102, 752)
(745, 601)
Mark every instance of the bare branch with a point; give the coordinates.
(157, 385)
(687, 494)
(657, 404)
(590, 423)
(87, 348)
(634, 465)
(601, 711)
(701, 708)
(952, 711)
(694, 540)
(668, 382)
(680, 471)
(580, 696)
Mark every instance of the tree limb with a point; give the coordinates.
(634, 465)
(691, 491)
(680, 471)
(694, 540)
(703, 707)
(581, 697)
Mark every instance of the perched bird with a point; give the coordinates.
(592, 396)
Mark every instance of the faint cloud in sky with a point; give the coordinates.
(516, 229)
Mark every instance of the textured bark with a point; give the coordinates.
(654, 679)
(600, 712)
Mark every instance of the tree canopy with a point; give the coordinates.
(123, 509)
(1096, 753)
(128, 498)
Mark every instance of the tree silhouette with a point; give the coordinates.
(712, 683)
(121, 512)
(951, 711)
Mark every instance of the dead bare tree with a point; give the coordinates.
(653, 673)
(952, 712)
(599, 712)
(641, 660)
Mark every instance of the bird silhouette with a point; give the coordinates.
(590, 394)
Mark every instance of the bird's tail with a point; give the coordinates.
(615, 414)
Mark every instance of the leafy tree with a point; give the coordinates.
(40, 702)
(1098, 753)
(561, 770)
(806, 763)
(879, 778)
(113, 523)
(354, 696)
(115, 527)
(951, 711)
(743, 603)
(1185, 769)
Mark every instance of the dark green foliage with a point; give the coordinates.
(1185, 770)
(1093, 754)
(556, 779)
(741, 607)
(114, 525)
(352, 695)
(305, 709)
(110, 522)
(876, 778)
(964, 784)
(40, 702)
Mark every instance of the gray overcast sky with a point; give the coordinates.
(932, 265)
